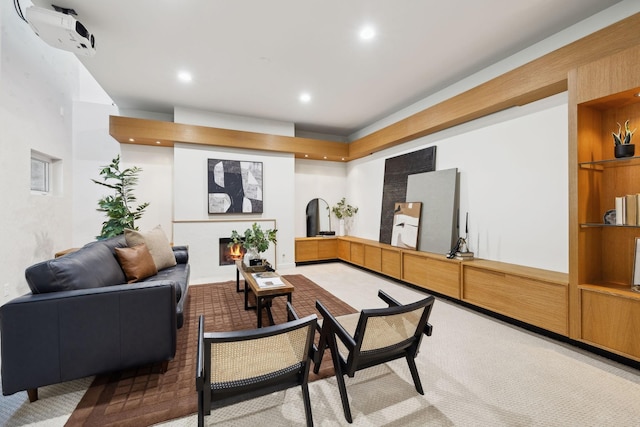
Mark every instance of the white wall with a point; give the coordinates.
(513, 169)
(193, 225)
(513, 182)
(190, 205)
(317, 179)
(36, 90)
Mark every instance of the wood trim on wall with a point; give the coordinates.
(535, 80)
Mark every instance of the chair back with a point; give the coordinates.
(238, 365)
(388, 332)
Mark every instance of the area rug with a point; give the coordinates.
(144, 396)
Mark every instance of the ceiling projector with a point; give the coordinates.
(61, 30)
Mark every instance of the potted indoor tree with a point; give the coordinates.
(622, 140)
(343, 211)
(118, 206)
(255, 241)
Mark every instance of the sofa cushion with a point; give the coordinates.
(93, 266)
(136, 262)
(156, 242)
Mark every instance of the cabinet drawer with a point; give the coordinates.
(536, 302)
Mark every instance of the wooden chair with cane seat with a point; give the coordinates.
(242, 365)
(372, 337)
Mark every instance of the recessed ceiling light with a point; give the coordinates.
(185, 76)
(367, 33)
(637, 94)
(158, 142)
(305, 97)
(132, 140)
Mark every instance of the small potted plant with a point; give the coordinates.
(622, 140)
(342, 210)
(255, 241)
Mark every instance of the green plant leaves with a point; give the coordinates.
(118, 206)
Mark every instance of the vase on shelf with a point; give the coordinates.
(341, 227)
(624, 150)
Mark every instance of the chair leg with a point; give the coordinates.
(200, 409)
(414, 374)
(307, 405)
(333, 345)
(33, 394)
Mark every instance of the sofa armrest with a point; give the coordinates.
(60, 336)
(181, 253)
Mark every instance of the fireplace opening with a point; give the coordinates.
(229, 254)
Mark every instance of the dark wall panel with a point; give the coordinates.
(396, 173)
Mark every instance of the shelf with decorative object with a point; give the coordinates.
(603, 112)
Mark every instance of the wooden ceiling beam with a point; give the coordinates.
(128, 130)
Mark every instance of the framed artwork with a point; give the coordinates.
(406, 225)
(234, 186)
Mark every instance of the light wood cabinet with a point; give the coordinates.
(603, 310)
(535, 296)
(518, 292)
(430, 272)
(316, 249)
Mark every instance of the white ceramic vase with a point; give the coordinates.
(341, 227)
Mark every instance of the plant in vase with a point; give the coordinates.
(622, 140)
(254, 240)
(343, 211)
(118, 207)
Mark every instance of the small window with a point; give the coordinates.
(40, 175)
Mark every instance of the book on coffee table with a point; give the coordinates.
(268, 279)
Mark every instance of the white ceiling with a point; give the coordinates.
(255, 57)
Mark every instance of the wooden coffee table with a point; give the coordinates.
(264, 295)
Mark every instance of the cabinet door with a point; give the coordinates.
(327, 249)
(344, 250)
(611, 322)
(306, 250)
(357, 253)
(444, 277)
(373, 258)
(414, 269)
(391, 263)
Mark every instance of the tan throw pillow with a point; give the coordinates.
(156, 242)
(136, 262)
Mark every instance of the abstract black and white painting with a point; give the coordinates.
(234, 186)
(406, 225)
